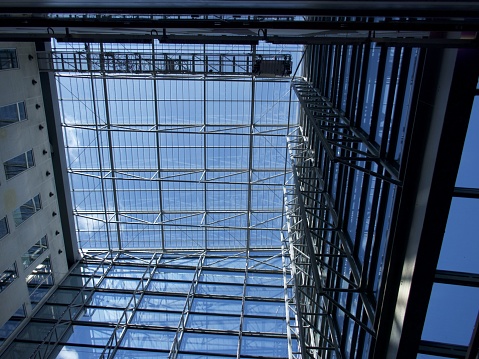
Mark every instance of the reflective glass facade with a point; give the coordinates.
(155, 305)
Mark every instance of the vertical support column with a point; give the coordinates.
(175, 347)
(158, 144)
(110, 148)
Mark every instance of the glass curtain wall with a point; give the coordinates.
(163, 159)
(160, 305)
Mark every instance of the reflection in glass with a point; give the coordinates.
(209, 343)
(148, 339)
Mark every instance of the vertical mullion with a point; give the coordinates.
(100, 158)
(205, 152)
(110, 149)
(158, 152)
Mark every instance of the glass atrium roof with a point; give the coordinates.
(173, 160)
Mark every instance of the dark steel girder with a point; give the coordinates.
(155, 22)
(441, 107)
(465, 8)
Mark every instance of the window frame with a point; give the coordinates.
(13, 60)
(7, 228)
(36, 205)
(19, 105)
(26, 164)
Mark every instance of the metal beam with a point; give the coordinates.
(149, 22)
(463, 8)
(440, 113)
(62, 183)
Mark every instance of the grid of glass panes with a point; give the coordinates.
(39, 281)
(10, 325)
(176, 163)
(137, 305)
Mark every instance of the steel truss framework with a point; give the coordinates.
(168, 305)
(166, 63)
(192, 162)
(346, 163)
(322, 258)
(343, 142)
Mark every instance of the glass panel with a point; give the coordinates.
(147, 339)
(217, 306)
(460, 245)
(209, 343)
(262, 325)
(42, 274)
(139, 354)
(34, 252)
(26, 210)
(167, 319)
(7, 277)
(8, 59)
(222, 277)
(264, 292)
(451, 314)
(111, 300)
(261, 346)
(22, 113)
(88, 335)
(89, 269)
(77, 281)
(20, 350)
(169, 287)
(39, 281)
(127, 271)
(3, 227)
(232, 262)
(219, 289)
(74, 352)
(468, 174)
(270, 309)
(213, 322)
(174, 274)
(112, 283)
(265, 279)
(8, 114)
(18, 164)
(101, 315)
(49, 311)
(162, 303)
(35, 331)
(11, 324)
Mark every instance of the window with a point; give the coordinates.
(34, 252)
(18, 164)
(26, 210)
(3, 227)
(12, 324)
(7, 277)
(12, 113)
(39, 281)
(8, 59)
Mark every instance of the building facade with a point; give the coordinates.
(32, 246)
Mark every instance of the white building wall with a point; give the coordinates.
(16, 86)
